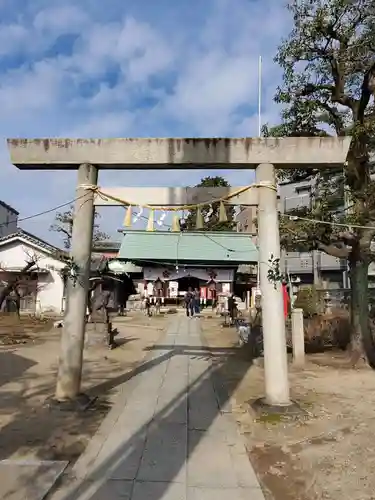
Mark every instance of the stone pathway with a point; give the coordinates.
(166, 438)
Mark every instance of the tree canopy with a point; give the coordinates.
(328, 63)
(211, 213)
(64, 226)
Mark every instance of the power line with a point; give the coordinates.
(205, 235)
(328, 223)
(169, 263)
(291, 217)
(48, 211)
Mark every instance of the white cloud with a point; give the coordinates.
(221, 75)
(24, 91)
(210, 89)
(63, 19)
(142, 50)
(108, 126)
(12, 38)
(126, 74)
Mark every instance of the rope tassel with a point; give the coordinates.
(199, 219)
(128, 217)
(222, 213)
(150, 223)
(176, 224)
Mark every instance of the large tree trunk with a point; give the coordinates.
(362, 342)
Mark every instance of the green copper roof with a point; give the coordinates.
(194, 247)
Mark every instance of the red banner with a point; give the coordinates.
(286, 300)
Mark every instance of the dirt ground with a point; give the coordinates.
(327, 453)
(29, 428)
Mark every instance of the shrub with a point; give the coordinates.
(309, 300)
(330, 329)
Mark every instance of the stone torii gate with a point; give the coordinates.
(88, 156)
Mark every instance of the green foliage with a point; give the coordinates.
(64, 226)
(297, 231)
(309, 300)
(274, 273)
(213, 223)
(328, 63)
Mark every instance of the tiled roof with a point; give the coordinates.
(25, 235)
(106, 245)
(226, 248)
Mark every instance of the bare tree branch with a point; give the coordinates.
(336, 91)
(368, 89)
(14, 282)
(339, 252)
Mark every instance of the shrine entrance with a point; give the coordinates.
(88, 156)
(189, 282)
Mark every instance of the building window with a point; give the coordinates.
(304, 264)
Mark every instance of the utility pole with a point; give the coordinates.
(315, 265)
(315, 256)
(346, 274)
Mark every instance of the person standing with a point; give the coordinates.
(148, 306)
(197, 309)
(189, 303)
(232, 308)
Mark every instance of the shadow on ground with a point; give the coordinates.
(125, 461)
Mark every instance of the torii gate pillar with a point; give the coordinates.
(73, 334)
(273, 322)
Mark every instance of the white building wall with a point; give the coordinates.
(50, 285)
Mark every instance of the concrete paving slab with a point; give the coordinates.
(28, 480)
(176, 413)
(171, 440)
(108, 490)
(203, 408)
(165, 454)
(158, 491)
(224, 494)
(210, 462)
(127, 465)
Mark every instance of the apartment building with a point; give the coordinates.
(306, 267)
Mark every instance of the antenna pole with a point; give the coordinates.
(260, 96)
(259, 133)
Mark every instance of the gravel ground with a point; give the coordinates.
(28, 428)
(329, 452)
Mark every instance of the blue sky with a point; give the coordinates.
(130, 68)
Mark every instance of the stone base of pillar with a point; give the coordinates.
(81, 402)
(265, 410)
